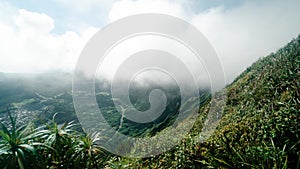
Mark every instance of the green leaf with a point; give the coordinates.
(19, 159)
(27, 147)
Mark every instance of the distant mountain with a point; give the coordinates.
(17, 87)
(36, 96)
(39, 96)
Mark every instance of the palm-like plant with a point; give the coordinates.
(61, 138)
(87, 152)
(59, 134)
(17, 145)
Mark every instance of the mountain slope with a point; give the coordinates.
(260, 124)
(261, 121)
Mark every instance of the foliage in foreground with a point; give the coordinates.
(49, 146)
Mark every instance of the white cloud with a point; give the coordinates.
(125, 8)
(35, 22)
(239, 34)
(243, 34)
(84, 6)
(28, 46)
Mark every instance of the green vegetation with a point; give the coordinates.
(50, 146)
(17, 147)
(140, 100)
(259, 128)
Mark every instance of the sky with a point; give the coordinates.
(40, 36)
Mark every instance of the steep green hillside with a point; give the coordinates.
(261, 122)
(260, 127)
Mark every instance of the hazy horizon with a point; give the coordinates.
(40, 38)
